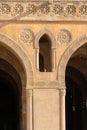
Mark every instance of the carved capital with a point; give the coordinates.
(63, 92)
(29, 93)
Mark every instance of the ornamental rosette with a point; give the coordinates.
(5, 9)
(31, 9)
(83, 9)
(70, 9)
(44, 9)
(18, 9)
(26, 36)
(64, 36)
(58, 9)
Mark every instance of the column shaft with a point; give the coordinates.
(29, 109)
(62, 110)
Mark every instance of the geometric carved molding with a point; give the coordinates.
(26, 36)
(44, 11)
(63, 36)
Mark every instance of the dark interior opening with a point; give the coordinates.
(9, 103)
(45, 56)
(41, 63)
(74, 101)
(76, 94)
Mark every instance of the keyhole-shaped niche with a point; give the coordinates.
(45, 51)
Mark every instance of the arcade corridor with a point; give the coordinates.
(9, 103)
(76, 93)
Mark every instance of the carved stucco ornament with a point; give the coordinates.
(70, 9)
(54, 11)
(57, 9)
(17, 9)
(4, 9)
(83, 9)
(63, 36)
(31, 9)
(38, 10)
(26, 36)
(44, 9)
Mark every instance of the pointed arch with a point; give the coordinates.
(61, 73)
(65, 58)
(12, 46)
(18, 59)
(50, 36)
(45, 36)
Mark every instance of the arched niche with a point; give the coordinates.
(14, 62)
(45, 45)
(45, 52)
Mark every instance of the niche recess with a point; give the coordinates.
(45, 56)
(45, 51)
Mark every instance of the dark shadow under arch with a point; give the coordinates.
(10, 103)
(76, 95)
(41, 62)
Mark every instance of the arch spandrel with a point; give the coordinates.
(65, 58)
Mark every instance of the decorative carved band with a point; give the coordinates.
(44, 11)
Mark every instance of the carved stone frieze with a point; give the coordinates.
(57, 9)
(26, 36)
(63, 36)
(5, 9)
(42, 9)
(70, 9)
(18, 9)
(46, 11)
(83, 10)
(31, 9)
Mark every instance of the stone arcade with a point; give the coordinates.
(43, 65)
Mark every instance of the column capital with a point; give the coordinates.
(37, 50)
(62, 92)
(53, 49)
(29, 92)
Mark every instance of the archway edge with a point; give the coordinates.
(65, 58)
(40, 34)
(13, 47)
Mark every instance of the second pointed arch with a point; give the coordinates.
(45, 38)
(47, 33)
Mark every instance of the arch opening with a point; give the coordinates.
(10, 103)
(41, 62)
(45, 54)
(76, 90)
(15, 63)
(14, 74)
